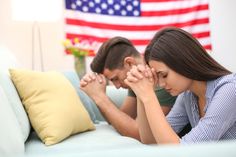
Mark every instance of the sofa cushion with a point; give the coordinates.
(15, 103)
(103, 139)
(11, 142)
(54, 109)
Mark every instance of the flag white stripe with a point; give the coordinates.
(162, 6)
(135, 35)
(138, 21)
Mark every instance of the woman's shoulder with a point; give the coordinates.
(228, 81)
(186, 97)
(231, 78)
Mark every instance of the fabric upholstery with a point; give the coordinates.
(15, 103)
(53, 107)
(11, 142)
(87, 102)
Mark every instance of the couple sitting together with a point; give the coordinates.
(176, 83)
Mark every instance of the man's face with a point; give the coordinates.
(117, 76)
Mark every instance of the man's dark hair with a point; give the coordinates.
(112, 53)
(181, 52)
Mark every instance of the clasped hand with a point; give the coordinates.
(141, 79)
(93, 84)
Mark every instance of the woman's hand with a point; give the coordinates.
(155, 77)
(141, 80)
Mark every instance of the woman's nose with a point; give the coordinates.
(161, 83)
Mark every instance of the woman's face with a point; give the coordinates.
(173, 82)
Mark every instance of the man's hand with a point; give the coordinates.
(90, 77)
(93, 84)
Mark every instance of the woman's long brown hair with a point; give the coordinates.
(181, 52)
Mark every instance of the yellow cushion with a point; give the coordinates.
(53, 107)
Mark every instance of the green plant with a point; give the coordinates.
(75, 48)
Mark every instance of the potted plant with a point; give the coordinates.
(79, 51)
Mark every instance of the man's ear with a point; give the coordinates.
(129, 62)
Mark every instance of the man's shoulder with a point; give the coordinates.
(131, 93)
(165, 98)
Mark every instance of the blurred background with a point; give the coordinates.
(39, 37)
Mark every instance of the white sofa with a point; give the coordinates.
(18, 139)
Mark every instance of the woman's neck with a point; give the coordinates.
(199, 89)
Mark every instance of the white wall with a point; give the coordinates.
(223, 32)
(17, 37)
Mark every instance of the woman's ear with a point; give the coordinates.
(129, 62)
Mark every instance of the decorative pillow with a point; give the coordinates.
(54, 109)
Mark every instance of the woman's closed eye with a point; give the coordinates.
(162, 75)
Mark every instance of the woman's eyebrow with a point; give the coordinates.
(159, 72)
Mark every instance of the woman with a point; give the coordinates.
(207, 91)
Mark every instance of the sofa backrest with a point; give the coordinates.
(8, 60)
(15, 103)
(12, 141)
(15, 126)
(116, 95)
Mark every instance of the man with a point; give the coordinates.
(113, 60)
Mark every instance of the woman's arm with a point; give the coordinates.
(145, 132)
(162, 131)
(143, 88)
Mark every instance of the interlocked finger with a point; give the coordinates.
(136, 73)
(148, 73)
(155, 77)
(131, 78)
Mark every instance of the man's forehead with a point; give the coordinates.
(109, 74)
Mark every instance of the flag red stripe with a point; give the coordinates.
(207, 47)
(135, 42)
(134, 28)
(175, 11)
(202, 34)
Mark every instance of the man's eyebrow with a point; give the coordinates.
(112, 78)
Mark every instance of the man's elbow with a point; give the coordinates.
(147, 141)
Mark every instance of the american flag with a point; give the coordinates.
(95, 21)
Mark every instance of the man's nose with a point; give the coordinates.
(117, 84)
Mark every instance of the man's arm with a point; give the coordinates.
(123, 120)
